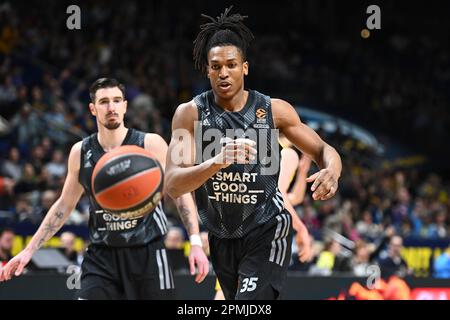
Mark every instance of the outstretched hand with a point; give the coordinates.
(16, 265)
(325, 184)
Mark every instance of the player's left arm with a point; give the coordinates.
(308, 141)
(186, 209)
(288, 164)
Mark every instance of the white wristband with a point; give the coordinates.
(195, 240)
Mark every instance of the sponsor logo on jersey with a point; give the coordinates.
(261, 113)
(121, 225)
(261, 119)
(87, 163)
(116, 222)
(234, 187)
(261, 126)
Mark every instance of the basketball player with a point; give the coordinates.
(297, 168)
(293, 193)
(237, 198)
(291, 190)
(126, 257)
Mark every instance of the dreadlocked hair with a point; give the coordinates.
(224, 30)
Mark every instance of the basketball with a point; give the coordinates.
(128, 180)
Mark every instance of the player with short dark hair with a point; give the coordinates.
(236, 189)
(126, 257)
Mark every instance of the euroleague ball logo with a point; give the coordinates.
(130, 193)
(261, 113)
(119, 168)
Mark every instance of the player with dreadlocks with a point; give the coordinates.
(232, 173)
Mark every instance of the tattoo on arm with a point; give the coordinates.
(185, 215)
(40, 243)
(59, 215)
(51, 227)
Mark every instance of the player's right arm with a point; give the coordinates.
(55, 218)
(182, 175)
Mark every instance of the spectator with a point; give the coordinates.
(361, 260)
(36, 215)
(22, 209)
(402, 211)
(6, 244)
(6, 186)
(48, 197)
(38, 158)
(7, 91)
(366, 228)
(37, 100)
(11, 167)
(68, 246)
(47, 146)
(26, 127)
(394, 264)
(174, 238)
(331, 259)
(439, 229)
(29, 180)
(308, 216)
(57, 167)
(442, 265)
(7, 196)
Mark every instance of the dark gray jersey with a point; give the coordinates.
(108, 229)
(240, 197)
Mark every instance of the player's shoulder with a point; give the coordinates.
(185, 116)
(76, 148)
(281, 109)
(277, 102)
(75, 154)
(154, 139)
(187, 108)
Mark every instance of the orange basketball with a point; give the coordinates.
(128, 180)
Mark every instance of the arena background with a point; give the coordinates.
(382, 101)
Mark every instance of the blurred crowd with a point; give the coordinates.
(45, 70)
